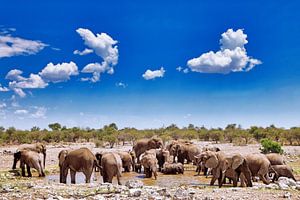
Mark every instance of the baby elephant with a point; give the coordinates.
(281, 171)
(173, 168)
(31, 159)
(137, 167)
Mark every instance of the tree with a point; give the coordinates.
(216, 135)
(35, 128)
(55, 126)
(269, 146)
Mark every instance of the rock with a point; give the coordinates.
(181, 194)
(272, 186)
(288, 181)
(135, 192)
(298, 187)
(283, 186)
(287, 195)
(134, 184)
(236, 189)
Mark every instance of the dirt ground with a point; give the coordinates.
(171, 182)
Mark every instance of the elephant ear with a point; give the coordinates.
(237, 160)
(212, 161)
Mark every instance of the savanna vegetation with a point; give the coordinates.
(112, 135)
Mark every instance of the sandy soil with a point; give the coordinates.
(198, 184)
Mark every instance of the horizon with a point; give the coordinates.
(149, 64)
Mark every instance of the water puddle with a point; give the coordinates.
(188, 178)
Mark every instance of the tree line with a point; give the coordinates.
(111, 134)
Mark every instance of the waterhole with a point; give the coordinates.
(188, 178)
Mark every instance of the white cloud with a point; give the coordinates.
(96, 69)
(105, 47)
(34, 81)
(232, 56)
(2, 105)
(120, 84)
(14, 75)
(149, 74)
(59, 72)
(21, 112)
(186, 70)
(19, 82)
(19, 92)
(40, 112)
(84, 52)
(13, 46)
(179, 68)
(3, 89)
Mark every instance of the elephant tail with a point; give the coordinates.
(96, 164)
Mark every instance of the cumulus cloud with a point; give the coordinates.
(18, 82)
(232, 56)
(13, 46)
(149, 74)
(96, 69)
(84, 52)
(59, 72)
(3, 89)
(105, 47)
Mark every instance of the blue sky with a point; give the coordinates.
(239, 63)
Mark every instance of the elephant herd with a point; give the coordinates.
(153, 157)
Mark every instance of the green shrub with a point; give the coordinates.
(269, 146)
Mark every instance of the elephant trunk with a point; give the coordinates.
(14, 164)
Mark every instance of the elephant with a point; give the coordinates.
(275, 159)
(183, 151)
(173, 168)
(79, 160)
(133, 158)
(111, 165)
(31, 159)
(220, 164)
(39, 148)
(200, 165)
(138, 168)
(127, 162)
(281, 171)
(143, 145)
(259, 166)
(149, 162)
(162, 156)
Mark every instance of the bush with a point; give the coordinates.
(269, 146)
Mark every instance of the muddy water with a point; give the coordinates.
(188, 178)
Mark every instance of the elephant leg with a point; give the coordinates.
(118, 178)
(213, 180)
(28, 171)
(263, 178)
(88, 176)
(22, 166)
(73, 175)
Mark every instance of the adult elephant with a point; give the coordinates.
(186, 151)
(111, 165)
(222, 166)
(259, 165)
(143, 145)
(127, 161)
(39, 148)
(275, 159)
(162, 156)
(79, 160)
(30, 159)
